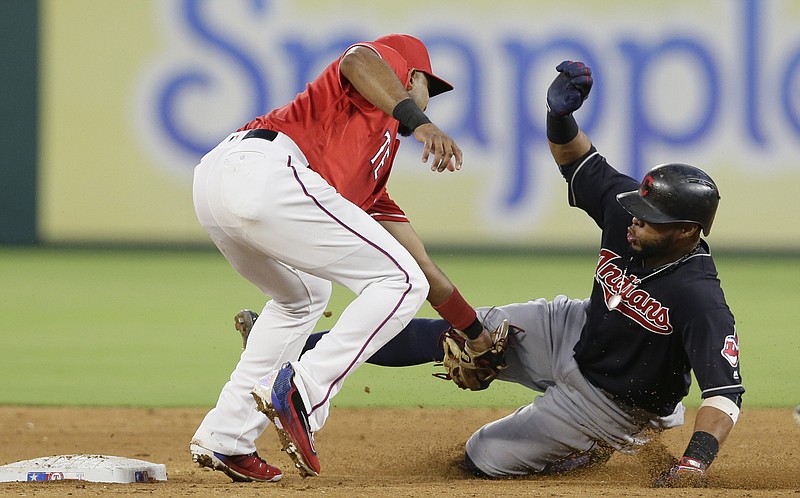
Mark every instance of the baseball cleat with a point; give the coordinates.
(243, 321)
(277, 397)
(240, 468)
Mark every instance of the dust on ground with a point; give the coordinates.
(382, 452)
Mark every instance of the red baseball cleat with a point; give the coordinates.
(240, 468)
(276, 396)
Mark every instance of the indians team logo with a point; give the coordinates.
(647, 184)
(636, 304)
(730, 349)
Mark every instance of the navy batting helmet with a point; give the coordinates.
(672, 193)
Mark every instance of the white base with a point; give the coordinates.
(92, 468)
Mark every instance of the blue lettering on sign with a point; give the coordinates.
(751, 18)
(642, 130)
(309, 59)
(180, 84)
(790, 91)
(530, 116)
(468, 123)
(301, 59)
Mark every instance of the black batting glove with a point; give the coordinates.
(570, 88)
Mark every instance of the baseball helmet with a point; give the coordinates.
(672, 193)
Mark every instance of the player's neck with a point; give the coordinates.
(679, 254)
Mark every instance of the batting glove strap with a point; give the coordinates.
(690, 465)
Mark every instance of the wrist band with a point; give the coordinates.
(473, 330)
(703, 446)
(408, 113)
(561, 129)
(456, 310)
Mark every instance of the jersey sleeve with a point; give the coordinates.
(385, 209)
(712, 346)
(388, 54)
(593, 186)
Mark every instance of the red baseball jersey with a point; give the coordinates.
(347, 140)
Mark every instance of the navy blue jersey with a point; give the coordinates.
(641, 346)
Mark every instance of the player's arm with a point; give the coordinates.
(714, 421)
(443, 295)
(565, 96)
(377, 82)
(718, 377)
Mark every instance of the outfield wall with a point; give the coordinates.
(133, 93)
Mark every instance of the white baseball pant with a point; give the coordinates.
(286, 230)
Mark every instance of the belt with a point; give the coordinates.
(262, 134)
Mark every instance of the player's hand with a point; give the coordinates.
(686, 473)
(445, 152)
(570, 88)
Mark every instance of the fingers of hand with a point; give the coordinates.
(574, 69)
(575, 74)
(446, 154)
(582, 83)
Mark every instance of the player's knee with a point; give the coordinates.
(319, 295)
(472, 470)
(419, 286)
(309, 299)
(406, 283)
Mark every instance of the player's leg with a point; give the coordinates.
(542, 437)
(572, 423)
(541, 336)
(303, 222)
(548, 435)
(263, 195)
(226, 192)
(299, 299)
(389, 286)
(418, 343)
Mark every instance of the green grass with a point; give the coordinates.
(154, 328)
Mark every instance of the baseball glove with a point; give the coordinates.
(471, 369)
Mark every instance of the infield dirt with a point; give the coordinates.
(381, 452)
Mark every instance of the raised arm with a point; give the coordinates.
(565, 96)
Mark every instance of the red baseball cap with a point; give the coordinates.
(415, 53)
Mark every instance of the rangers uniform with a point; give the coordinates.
(291, 199)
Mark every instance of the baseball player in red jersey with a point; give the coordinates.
(296, 199)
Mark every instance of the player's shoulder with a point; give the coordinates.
(383, 51)
(697, 288)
